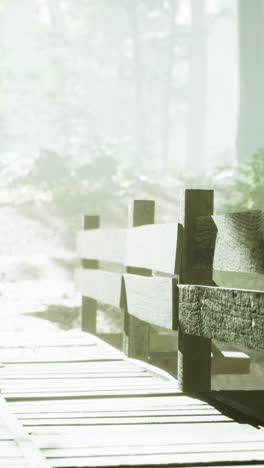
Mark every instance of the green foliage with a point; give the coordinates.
(48, 171)
(248, 185)
(100, 168)
(103, 187)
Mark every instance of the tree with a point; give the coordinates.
(61, 73)
(250, 133)
(140, 138)
(196, 118)
(167, 124)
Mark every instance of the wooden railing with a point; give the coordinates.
(163, 275)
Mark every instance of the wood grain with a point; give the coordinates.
(230, 242)
(152, 444)
(30, 455)
(136, 331)
(230, 362)
(156, 247)
(99, 285)
(230, 315)
(110, 413)
(194, 352)
(151, 299)
(102, 244)
(89, 305)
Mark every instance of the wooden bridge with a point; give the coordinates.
(70, 400)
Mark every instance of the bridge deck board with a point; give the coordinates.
(84, 404)
(17, 449)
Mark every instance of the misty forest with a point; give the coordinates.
(105, 101)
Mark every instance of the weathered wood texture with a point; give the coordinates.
(151, 300)
(156, 247)
(136, 331)
(152, 247)
(17, 450)
(89, 304)
(102, 244)
(194, 204)
(99, 285)
(230, 315)
(88, 314)
(231, 242)
(238, 280)
(230, 362)
(112, 413)
(194, 352)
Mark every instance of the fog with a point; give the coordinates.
(106, 101)
(154, 84)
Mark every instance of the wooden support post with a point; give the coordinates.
(136, 332)
(194, 353)
(89, 305)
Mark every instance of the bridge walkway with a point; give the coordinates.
(78, 402)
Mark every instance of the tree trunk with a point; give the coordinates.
(139, 84)
(250, 133)
(55, 16)
(60, 68)
(166, 121)
(196, 114)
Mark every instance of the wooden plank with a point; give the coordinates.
(227, 362)
(72, 368)
(9, 448)
(155, 460)
(151, 299)
(201, 410)
(122, 420)
(194, 352)
(32, 455)
(13, 463)
(230, 315)
(80, 421)
(89, 314)
(70, 383)
(29, 340)
(153, 434)
(99, 285)
(136, 331)
(47, 346)
(231, 362)
(89, 305)
(128, 461)
(177, 448)
(231, 242)
(89, 385)
(233, 279)
(156, 247)
(109, 404)
(102, 393)
(113, 375)
(31, 355)
(250, 403)
(102, 244)
(4, 432)
(165, 449)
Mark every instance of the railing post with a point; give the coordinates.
(136, 332)
(194, 353)
(89, 305)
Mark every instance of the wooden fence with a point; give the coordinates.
(165, 275)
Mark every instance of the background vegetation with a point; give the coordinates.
(102, 101)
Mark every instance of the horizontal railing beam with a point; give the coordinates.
(224, 314)
(230, 242)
